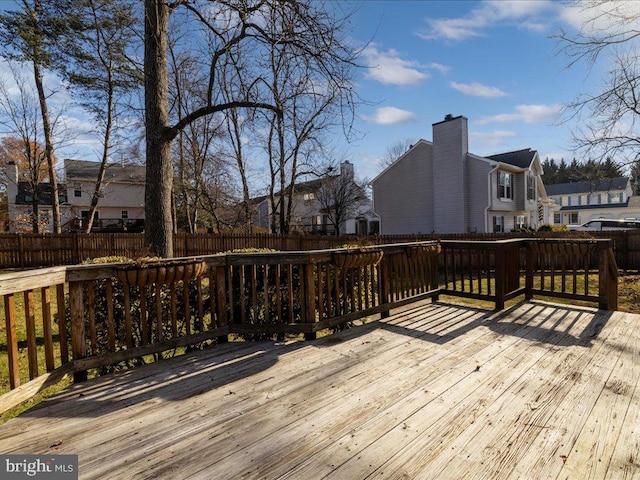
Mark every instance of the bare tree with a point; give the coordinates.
(394, 151)
(342, 198)
(21, 119)
(608, 119)
(313, 32)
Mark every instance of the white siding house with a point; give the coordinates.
(579, 202)
(121, 199)
(440, 187)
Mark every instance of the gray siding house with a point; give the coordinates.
(440, 187)
(308, 213)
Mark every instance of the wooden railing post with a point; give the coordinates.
(529, 269)
(384, 284)
(607, 277)
(500, 275)
(434, 263)
(309, 298)
(12, 340)
(78, 343)
(221, 296)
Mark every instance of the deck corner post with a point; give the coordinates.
(500, 275)
(78, 341)
(529, 269)
(607, 277)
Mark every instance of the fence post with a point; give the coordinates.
(78, 343)
(21, 249)
(500, 274)
(76, 248)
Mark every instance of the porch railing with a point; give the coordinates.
(68, 320)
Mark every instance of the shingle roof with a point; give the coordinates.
(604, 185)
(116, 172)
(518, 158)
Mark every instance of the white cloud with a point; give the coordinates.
(391, 116)
(597, 17)
(525, 113)
(388, 68)
(493, 139)
(521, 13)
(478, 90)
(443, 69)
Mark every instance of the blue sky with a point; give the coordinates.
(494, 62)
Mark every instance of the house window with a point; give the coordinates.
(573, 218)
(498, 224)
(308, 197)
(520, 221)
(125, 214)
(505, 185)
(557, 218)
(77, 190)
(531, 187)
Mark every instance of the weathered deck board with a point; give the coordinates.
(435, 391)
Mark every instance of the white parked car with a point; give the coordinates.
(601, 224)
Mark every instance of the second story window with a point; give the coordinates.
(505, 185)
(308, 198)
(77, 190)
(531, 187)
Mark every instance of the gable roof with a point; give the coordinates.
(603, 185)
(517, 158)
(116, 172)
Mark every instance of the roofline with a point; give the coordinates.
(399, 159)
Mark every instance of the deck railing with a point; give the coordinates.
(106, 315)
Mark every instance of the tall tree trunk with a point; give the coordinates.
(46, 126)
(159, 181)
(105, 157)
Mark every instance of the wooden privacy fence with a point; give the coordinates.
(74, 319)
(32, 250)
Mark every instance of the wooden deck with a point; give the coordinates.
(434, 392)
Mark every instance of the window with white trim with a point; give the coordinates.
(505, 185)
(498, 224)
(531, 187)
(520, 221)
